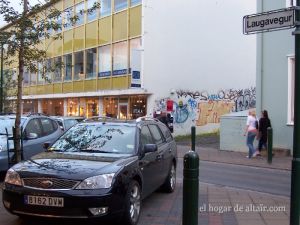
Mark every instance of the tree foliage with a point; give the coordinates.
(25, 37)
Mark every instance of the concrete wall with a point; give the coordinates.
(194, 48)
(272, 76)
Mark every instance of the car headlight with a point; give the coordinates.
(12, 177)
(97, 182)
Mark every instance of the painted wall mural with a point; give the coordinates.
(201, 107)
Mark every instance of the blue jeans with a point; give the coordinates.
(250, 140)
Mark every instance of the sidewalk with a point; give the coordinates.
(238, 158)
(220, 205)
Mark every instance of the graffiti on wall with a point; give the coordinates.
(202, 107)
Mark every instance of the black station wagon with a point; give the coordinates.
(98, 169)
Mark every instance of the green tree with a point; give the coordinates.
(23, 36)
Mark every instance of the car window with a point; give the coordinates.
(156, 134)
(33, 126)
(146, 137)
(55, 125)
(166, 132)
(47, 126)
(60, 123)
(95, 138)
(69, 123)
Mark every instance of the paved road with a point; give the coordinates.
(264, 180)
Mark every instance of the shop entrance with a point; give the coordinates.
(123, 111)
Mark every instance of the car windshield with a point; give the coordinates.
(7, 123)
(97, 138)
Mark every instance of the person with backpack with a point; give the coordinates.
(264, 123)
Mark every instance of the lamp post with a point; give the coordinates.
(295, 186)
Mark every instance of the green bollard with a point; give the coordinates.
(190, 200)
(270, 144)
(193, 137)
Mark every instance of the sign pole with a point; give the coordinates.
(295, 186)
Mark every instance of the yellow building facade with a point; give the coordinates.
(96, 52)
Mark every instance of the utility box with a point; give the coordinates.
(232, 129)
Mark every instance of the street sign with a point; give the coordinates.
(269, 21)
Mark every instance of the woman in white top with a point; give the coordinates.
(251, 132)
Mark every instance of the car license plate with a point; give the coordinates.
(43, 201)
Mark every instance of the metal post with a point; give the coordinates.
(190, 186)
(1, 79)
(270, 144)
(193, 137)
(295, 185)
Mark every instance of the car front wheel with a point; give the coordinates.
(133, 203)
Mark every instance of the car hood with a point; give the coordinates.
(72, 166)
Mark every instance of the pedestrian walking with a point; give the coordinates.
(263, 124)
(251, 132)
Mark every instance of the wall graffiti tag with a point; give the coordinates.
(202, 107)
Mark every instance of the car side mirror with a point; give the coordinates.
(30, 136)
(46, 145)
(149, 148)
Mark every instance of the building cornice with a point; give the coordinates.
(138, 91)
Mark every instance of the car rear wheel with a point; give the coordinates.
(133, 204)
(170, 183)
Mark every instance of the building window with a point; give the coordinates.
(78, 65)
(105, 8)
(92, 107)
(49, 70)
(135, 44)
(40, 74)
(68, 67)
(26, 77)
(59, 24)
(137, 106)
(33, 78)
(291, 89)
(135, 2)
(57, 69)
(79, 14)
(110, 107)
(104, 61)
(68, 17)
(91, 63)
(91, 11)
(49, 29)
(73, 107)
(120, 58)
(120, 4)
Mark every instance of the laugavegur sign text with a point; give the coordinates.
(268, 21)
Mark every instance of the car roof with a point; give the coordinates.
(115, 121)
